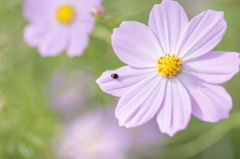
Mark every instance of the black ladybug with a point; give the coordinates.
(114, 76)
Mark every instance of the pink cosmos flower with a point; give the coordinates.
(56, 25)
(97, 135)
(172, 72)
(93, 136)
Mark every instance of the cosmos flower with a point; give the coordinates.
(97, 135)
(56, 25)
(93, 136)
(172, 72)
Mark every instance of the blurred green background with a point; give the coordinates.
(27, 124)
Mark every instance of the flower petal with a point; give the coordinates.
(136, 45)
(34, 33)
(86, 4)
(79, 38)
(210, 103)
(128, 77)
(77, 44)
(168, 20)
(54, 42)
(175, 112)
(35, 11)
(215, 67)
(142, 102)
(202, 34)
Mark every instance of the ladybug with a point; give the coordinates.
(114, 76)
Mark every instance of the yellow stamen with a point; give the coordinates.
(169, 66)
(65, 14)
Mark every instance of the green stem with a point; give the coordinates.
(206, 140)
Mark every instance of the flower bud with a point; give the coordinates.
(98, 11)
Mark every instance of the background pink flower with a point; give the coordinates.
(93, 136)
(97, 135)
(56, 25)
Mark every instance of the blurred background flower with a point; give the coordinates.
(31, 87)
(58, 25)
(96, 134)
(93, 136)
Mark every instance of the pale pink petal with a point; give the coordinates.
(128, 77)
(35, 11)
(136, 45)
(168, 20)
(82, 26)
(77, 44)
(86, 4)
(141, 103)
(210, 103)
(202, 34)
(81, 10)
(175, 112)
(54, 42)
(214, 67)
(34, 33)
(79, 38)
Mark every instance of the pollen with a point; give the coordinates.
(168, 65)
(65, 14)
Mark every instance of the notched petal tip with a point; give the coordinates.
(166, 1)
(173, 132)
(97, 81)
(43, 55)
(221, 13)
(124, 23)
(170, 134)
(215, 67)
(210, 102)
(115, 31)
(126, 124)
(72, 54)
(121, 123)
(123, 26)
(175, 112)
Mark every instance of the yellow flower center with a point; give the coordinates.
(65, 14)
(168, 65)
